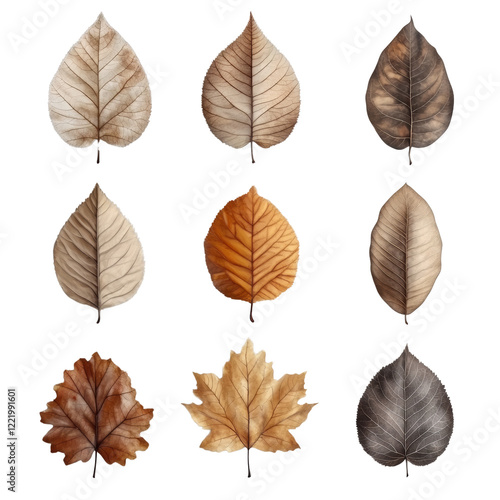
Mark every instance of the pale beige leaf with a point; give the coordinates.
(251, 250)
(251, 93)
(100, 91)
(97, 256)
(247, 407)
(405, 251)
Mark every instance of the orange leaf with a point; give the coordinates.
(251, 250)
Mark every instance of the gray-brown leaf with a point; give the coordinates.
(405, 251)
(97, 256)
(251, 93)
(100, 91)
(405, 414)
(409, 97)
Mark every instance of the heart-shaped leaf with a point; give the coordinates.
(409, 98)
(100, 91)
(97, 256)
(251, 93)
(405, 251)
(405, 414)
(251, 250)
(247, 407)
(95, 411)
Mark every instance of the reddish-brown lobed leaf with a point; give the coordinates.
(95, 410)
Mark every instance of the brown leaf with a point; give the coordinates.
(97, 256)
(100, 91)
(95, 411)
(251, 93)
(247, 407)
(409, 97)
(251, 250)
(405, 251)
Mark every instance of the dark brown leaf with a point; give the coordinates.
(409, 97)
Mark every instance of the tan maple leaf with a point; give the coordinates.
(247, 407)
(95, 411)
(251, 250)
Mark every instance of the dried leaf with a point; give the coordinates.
(247, 407)
(95, 411)
(405, 251)
(409, 97)
(405, 414)
(251, 250)
(251, 93)
(97, 256)
(100, 91)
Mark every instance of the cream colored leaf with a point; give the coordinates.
(251, 93)
(100, 91)
(405, 251)
(97, 256)
(247, 407)
(251, 250)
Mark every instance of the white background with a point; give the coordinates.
(329, 178)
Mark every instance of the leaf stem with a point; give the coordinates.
(251, 311)
(248, 462)
(251, 151)
(406, 458)
(406, 321)
(98, 316)
(98, 155)
(95, 463)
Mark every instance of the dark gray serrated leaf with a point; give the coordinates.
(405, 414)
